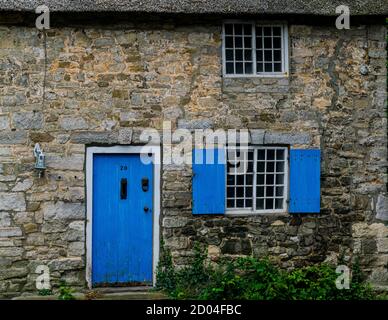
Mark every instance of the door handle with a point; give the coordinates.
(123, 189)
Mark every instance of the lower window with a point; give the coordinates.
(257, 179)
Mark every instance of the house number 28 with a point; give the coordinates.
(123, 168)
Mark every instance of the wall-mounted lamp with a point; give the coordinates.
(40, 164)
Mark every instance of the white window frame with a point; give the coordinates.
(252, 211)
(285, 50)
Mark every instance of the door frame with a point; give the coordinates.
(90, 151)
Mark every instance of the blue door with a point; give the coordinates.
(122, 220)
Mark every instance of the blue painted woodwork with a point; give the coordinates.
(209, 181)
(305, 177)
(122, 230)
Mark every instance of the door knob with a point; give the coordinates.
(146, 209)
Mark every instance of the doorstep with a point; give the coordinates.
(106, 294)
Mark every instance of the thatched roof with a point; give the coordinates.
(303, 7)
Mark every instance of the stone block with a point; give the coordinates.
(4, 123)
(382, 245)
(63, 211)
(195, 124)
(88, 137)
(76, 249)
(23, 185)
(9, 273)
(125, 136)
(174, 222)
(236, 247)
(382, 207)
(287, 138)
(13, 137)
(257, 136)
(12, 201)
(5, 219)
(10, 232)
(64, 264)
(73, 162)
(28, 120)
(12, 252)
(73, 123)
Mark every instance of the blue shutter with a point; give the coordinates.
(305, 177)
(209, 181)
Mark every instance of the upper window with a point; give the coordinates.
(257, 180)
(251, 49)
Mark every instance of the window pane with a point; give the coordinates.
(259, 55)
(270, 166)
(247, 29)
(267, 31)
(259, 43)
(259, 67)
(280, 154)
(238, 29)
(267, 55)
(248, 55)
(231, 179)
(276, 31)
(261, 154)
(240, 192)
(270, 179)
(250, 166)
(279, 191)
(248, 203)
(278, 203)
(230, 203)
(260, 166)
(239, 55)
(268, 67)
(259, 204)
(247, 42)
(269, 191)
(230, 68)
(248, 68)
(238, 42)
(248, 192)
(240, 203)
(260, 192)
(277, 67)
(240, 180)
(229, 29)
(269, 204)
(249, 180)
(270, 154)
(230, 192)
(277, 55)
(260, 179)
(279, 178)
(239, 68)
(267, 43)
(259, 31)
(229, 42)
(280, 166)
(277, 43)
(229, 55)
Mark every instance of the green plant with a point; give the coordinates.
(65, 292)
(255, 279)
(45, 292)
(165, 272)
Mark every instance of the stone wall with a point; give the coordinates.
(82, 86)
